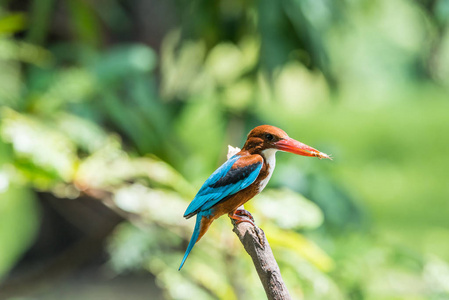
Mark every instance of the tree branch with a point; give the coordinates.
(256, 245)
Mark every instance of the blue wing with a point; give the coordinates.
(225, 181)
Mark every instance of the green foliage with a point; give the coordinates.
(18, 225)
(19, 221)
(93, 112)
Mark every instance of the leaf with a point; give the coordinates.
(12, 23)
(124, 60)
(289, 209)
(300, 244)
(19, 222)
(85, 22)
(32, 139)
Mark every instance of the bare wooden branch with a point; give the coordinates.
(256, 244)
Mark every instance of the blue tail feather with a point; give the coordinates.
(193, 239)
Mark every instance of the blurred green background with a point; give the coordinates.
(114, 112)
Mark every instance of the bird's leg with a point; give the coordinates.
(242, 215)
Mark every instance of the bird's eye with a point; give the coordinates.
(269, 137)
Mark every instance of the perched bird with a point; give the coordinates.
(240, 178)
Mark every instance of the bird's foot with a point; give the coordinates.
(242, 215)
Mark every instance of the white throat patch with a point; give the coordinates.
(270, 159)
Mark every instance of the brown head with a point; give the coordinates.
(269, 137)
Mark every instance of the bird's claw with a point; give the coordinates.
(242, 215)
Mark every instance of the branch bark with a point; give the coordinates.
(256, 245)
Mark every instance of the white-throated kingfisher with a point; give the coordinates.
(240, 178)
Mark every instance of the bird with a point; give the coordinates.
(240, 178)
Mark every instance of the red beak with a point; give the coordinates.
(293, 146)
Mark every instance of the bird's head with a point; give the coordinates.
(266, 137)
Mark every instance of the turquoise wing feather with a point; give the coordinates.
(227, 180)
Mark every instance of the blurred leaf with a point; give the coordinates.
(288, 209)
(274, 46)
(436, 273)
(225, 63)
(151, 204)
(299, 89)
(22, 51)
(40, 18)
(442, 11)
(182, 69)
(110, 166)
(10, 85)
(87, 135)
(18, 223)
(128, 120)
(35, 140)
(239, 95)
(129, 247)
(85, 22)
(124, 60)
(294, 241)
(12, 23)
(70, 85)
(201, 128)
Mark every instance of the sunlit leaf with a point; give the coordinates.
(300, 244)
(37, 141)
(288, 209)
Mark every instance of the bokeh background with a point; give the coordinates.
(114, 112)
